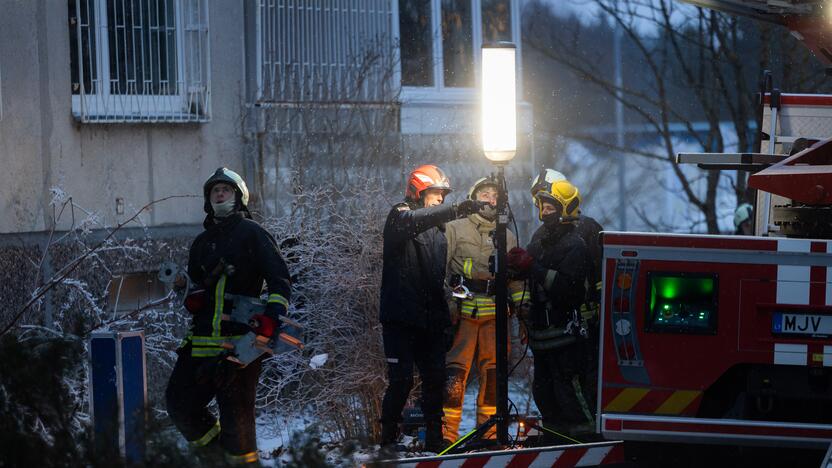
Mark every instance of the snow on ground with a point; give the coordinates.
(275, 434)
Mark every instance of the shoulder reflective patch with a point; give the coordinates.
(393, 360)
(403, 208)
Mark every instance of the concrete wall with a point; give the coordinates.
(43, 146)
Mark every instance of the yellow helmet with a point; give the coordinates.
(563, 195)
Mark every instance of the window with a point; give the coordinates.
(416, 43)
(131, 291)
(681, 302)
(139, 60)
(324, 51)
(439, 42)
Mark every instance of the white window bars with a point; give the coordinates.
(325, 51)
(140, 60)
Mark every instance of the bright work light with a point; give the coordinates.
(499, 102)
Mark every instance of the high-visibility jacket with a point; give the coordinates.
(234, 256)
(470, 245)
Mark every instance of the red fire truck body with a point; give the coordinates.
(716, 339)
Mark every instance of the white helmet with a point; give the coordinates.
(544, 180)
(742, 214)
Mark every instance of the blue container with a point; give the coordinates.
(118, 393)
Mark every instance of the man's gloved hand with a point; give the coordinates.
(196, 301)
(469, 207)
(264, 325)
(519, 261)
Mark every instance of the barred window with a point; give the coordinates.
(440, 42)
(324, 51)
(139, 60)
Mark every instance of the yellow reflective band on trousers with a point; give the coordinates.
(520, 297)
(485, 412)
(467, 266)
(250, 457)
(277, 298)
(208, 437)
(484, 306)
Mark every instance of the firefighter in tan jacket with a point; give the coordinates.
(470, 245)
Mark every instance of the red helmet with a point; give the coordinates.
(426, 177)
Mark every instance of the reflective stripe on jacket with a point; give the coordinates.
(470, 246)
(234, 256)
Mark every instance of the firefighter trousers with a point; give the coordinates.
(404, 347)
(474, 345)
(194, 382)
(560, 387)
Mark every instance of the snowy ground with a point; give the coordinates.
(274, 436)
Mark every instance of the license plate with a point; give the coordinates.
(801, 324)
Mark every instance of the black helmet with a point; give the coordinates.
(226, 176)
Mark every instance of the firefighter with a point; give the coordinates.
(470, 246)
(234, 255)
(414, 310)
(742, 220)
(556, 331)
(590, 231)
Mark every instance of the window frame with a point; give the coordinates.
(106, 106)
(438, 92)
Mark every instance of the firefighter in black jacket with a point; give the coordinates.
(414, 311)
(234, 255)
(557, 333)
(590, 231)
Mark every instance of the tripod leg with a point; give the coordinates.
(470, 437)
(546, 430)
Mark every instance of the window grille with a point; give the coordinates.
(325, 51)
(140, 60)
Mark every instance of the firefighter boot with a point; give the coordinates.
(433, 438)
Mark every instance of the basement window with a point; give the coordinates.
(131, 291)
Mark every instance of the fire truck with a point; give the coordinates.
(728, 339)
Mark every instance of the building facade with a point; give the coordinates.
(123, 103)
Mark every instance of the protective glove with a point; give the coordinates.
(469, 207)
(519, 262)
(264, 325)
(196, 301)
